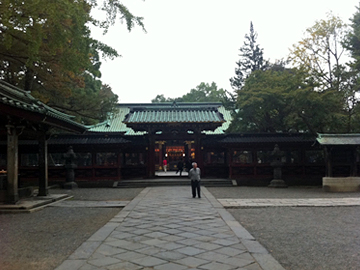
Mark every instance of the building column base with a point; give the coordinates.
(278, 183)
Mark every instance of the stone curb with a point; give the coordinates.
(30, 205)
(319, 202)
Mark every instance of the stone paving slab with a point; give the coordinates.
(320, 202)
(165, 228)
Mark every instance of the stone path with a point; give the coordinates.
(321, 202)
(165, 228)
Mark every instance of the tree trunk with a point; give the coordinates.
(29, 80)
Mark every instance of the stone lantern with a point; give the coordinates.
(276, 163)
(70, 157)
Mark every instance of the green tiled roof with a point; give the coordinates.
(23, 100)
(175, 113)
(227, 117)
(245, 138)
(174, 116)
(115, 123)
(165, 113)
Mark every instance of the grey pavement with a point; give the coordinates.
(165, 228)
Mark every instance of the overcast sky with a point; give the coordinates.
(193, 41)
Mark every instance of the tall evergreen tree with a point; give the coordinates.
(351, 83)
(352, 41)
(251, 59)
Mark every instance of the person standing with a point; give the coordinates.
(180, 167)
(164, 164)
(194, 175)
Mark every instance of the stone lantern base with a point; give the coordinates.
(70, 185)
(278, 183)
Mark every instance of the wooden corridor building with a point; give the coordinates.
(132, 144)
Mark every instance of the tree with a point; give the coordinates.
(320, 52)
(281, 99)
(90, 103)
(162, 98)
(46, 48)
(351, 78)
(251, 59)
(263, 102)
(204, 92)
(114, 9)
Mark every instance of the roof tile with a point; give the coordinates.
(15, 97)
(183, 113)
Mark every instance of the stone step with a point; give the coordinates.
(183, 181)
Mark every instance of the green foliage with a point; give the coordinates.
(45, 47)
(263, 102)
(162, 98)
(352, 40)
(351, 79)
(284, 100)
(320, 52)
(204, 92)
(319, 94)
(91, 103)
(114, 9)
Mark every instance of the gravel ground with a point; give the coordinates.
(301, 238)
(43, 239)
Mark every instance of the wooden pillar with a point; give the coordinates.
(43, 165)
(159, 161)
(328, 164)
(229, 161)
(119, 165)
(353, 162)
(162, 148)
(188, 150)
(198, 149)
(151, 155)
(12, 163)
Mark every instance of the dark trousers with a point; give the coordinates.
(179, 170)
(195, 186)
